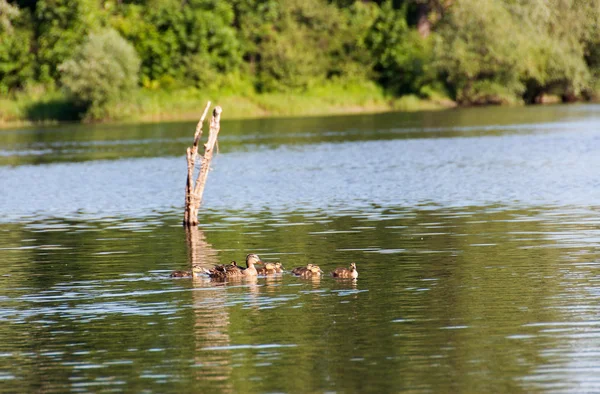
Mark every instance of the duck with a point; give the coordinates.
(342, 272)
(196, 269)
(232, 270)
(309, 271)
(270, 269)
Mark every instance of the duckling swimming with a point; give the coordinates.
(307, 272)
(181, 274)
(188, 274)
(298, 270)
(270, 269)
(342, 272)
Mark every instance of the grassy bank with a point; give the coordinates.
(41, 107)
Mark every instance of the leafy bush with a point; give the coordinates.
(103, 70)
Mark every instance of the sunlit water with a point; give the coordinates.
(475, 233)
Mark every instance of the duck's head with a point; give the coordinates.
(252, 259)
(196, 268)
(278, 266)
(315, 269)
(353, 266)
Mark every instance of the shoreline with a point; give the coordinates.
(187, 104)
(251, 109)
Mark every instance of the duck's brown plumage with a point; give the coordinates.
(308, 271)
(342, 272)
(226, 267)
(232, 270)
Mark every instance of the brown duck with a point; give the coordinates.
(342, 272)
(232, 270)
(270, 269)
(309, 271)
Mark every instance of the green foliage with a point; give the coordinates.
(8, 13)
(496, 51)
(60, 26)
(476, 52)
(565, 31)
(480, 52)
(179, 41)
(402, 57)
(103, 70)
(351, 58)
(16, 60)
(294, 51)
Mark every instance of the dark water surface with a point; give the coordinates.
(475, 233)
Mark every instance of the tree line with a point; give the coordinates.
(471, 51)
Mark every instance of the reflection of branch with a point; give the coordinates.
(200, 252)
(211, 320)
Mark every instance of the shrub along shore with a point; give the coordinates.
(187, 104)
(152, 60)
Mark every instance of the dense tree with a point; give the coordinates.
(499, 50)
(180, 41)
(402, 57)
(480, 52)
(475, 52)
(562, 36)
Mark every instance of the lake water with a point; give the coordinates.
(475, 232)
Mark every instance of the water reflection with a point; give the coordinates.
(76, 143)
(211, 322)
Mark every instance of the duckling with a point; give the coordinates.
(342, 272)
(312, 272)
(232, 270)
(298, 270)
(191, 274)
(181, 274)
(307, 272)
(229, 267)
(270, 269)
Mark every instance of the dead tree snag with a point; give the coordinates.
(194, 190)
